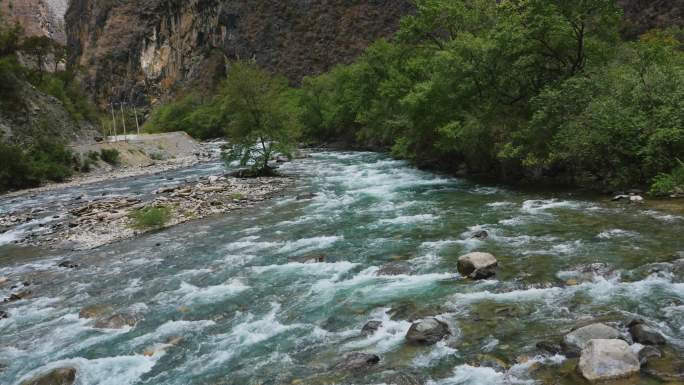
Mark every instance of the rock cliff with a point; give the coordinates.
(38, 17)
(138, 50)
(134, 49)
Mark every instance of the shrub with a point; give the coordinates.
(44, 160)
(672, 183)
(150, 217)
(110, 155)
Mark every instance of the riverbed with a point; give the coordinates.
(278, 294)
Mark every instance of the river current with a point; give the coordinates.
(249, 309)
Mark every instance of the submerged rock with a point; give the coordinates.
(645, 334)
(68, 265)
(550, 347)
(477, 265)
(305, 196)
(608, 359)
(575, 341)
(395, 268)
(427, 332)
(19, 296)
(370, 327)
(481, 235)
(357, 361)
(3, 314)
(405, 378)
(60, 376)
(93, 311)
(116, 321)
(647, 353)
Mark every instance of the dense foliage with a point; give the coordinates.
(44, 160)
(521, 90)
(191, 113)
(259, 119)
(528, 89)
(255, 111)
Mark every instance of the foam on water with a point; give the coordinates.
(308, 244)
(188, 293)
(410, 219)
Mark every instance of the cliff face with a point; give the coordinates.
(134, 48)
(138, 50)
(38, 17)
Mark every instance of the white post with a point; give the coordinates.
(137, 126)
(113, 122)
(123, 120)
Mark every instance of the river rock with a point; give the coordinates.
(395, 268)
(3, 280)
(305, 196)
(405, 378)
(60, 376)
(357, 361)
(19, 295)
(68, 265)
(481, 235)
(370, 327)
(575, 341)
(477, 265)
(427, 332)
(116, 321)
(645, 334)
(549, 347)
(93, 311)
(3, 314)
(608, 359)
(647, 353)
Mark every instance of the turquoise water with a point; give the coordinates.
(250, 311)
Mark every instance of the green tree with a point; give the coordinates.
(261, 122)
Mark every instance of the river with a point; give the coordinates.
(249, 310)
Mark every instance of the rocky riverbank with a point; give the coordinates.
(90, 224)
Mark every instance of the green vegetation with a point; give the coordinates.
(198, 117)
(60, 84)
(260, 121)
(532, 90)
(150, 217)
(526, 91)
(110, 155)
(672, 183)
(45, 160)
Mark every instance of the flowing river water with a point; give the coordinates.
(249, 310)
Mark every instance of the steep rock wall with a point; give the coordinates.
(38, 17)
(135, 49)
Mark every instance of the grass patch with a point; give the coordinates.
(110, 156)
(236, 196)
(151, 217)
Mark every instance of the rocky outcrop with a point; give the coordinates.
(477, 265)
(38, 17)
(608, 359)
(132, 49)
(578, 339)
(427, 332)
(357, 361)
(60, 376)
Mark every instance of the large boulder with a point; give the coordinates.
(370, 328)
(477, 265)
(59, 376)
(575, 341)
(427, 332)
(357, 361)
(608, 359)
(645, 334)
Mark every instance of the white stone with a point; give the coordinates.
(608, 359)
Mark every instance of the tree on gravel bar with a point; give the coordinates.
(260, 119)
